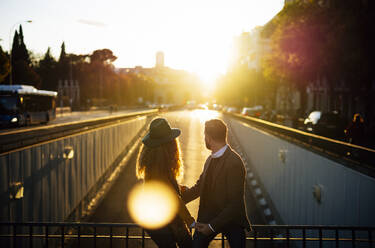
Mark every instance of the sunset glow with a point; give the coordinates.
(194, 35)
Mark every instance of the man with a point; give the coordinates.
(221, 190)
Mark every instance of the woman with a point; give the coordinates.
(160, 159)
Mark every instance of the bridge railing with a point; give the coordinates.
(54, 173)
(20, 138)
(75, 234)
(357, 157)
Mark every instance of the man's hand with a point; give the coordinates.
(203, 228)
(183, 188)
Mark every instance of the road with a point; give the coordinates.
(62, 118)
(113, 207)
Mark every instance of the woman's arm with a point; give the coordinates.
(184, 213)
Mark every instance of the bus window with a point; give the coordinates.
(8, 104)
(28, 104)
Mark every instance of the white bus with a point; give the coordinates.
(22, 105)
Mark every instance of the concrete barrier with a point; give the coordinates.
(305, 187)
(49, 181)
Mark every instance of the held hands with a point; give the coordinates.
(183, 188)
(203, 228)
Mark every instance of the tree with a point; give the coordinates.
(63, 64)
(101, 63)
(331, 39)
(22, 70)
(299, 46)
(103, 56)
(47, 69)
(23, 53)
(4, 65)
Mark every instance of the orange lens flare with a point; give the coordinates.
(152, 205)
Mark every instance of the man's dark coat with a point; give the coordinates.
(222, 201)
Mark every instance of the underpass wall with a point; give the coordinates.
(295, 177)
(52, 179)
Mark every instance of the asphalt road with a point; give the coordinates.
(113, 207)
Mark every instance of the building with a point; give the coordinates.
(250, 48)
(172, 86)
(159, 60)
(68, 93)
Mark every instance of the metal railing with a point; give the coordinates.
(20, 138)
(356, 157)
(77, 234)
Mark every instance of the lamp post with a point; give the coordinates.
(10, 50)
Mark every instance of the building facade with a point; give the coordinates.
(68, 93)
(172, 86)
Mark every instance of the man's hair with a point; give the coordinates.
(216, 129)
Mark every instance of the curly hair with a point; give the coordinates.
(163, 163)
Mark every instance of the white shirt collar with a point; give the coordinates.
(220, 152)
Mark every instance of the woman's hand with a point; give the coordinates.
(183, 188)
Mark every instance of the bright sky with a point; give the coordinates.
(195, 35)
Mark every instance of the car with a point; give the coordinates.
(327, 124)
(231, 110)
(255, 111)
(269, 115)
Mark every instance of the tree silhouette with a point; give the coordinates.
(47, 69)
(4, 65)
(63, 64)
(22, 70)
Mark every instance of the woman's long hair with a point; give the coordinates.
(163, 163)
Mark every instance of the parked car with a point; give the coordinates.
(269, 115)
(255, 111)
(328, 124)
(231, 110)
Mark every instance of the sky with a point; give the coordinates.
(195, 35)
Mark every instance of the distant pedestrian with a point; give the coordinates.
(160, 160)
(355, 132)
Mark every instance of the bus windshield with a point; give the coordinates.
(8, 104)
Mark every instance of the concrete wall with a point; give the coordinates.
(290, 173)
(58, 175)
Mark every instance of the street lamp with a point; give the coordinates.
(10, 49)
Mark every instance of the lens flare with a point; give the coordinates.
(152, 205)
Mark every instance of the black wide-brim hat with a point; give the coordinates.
(160, 132)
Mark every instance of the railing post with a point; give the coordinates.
(255, 238)
(94, 236)
(79, 236)
(143, 238)
(127, 237)
(62, 236)
(46, 235)
(110, 236)
(353, 238)
(304, 237)
(320, 237)
(31, 236)
(337, 238)
(370, 237)
(222, 240)
(14, 235)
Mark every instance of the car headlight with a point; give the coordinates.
(14, 119)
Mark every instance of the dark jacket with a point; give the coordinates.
(223, 204)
